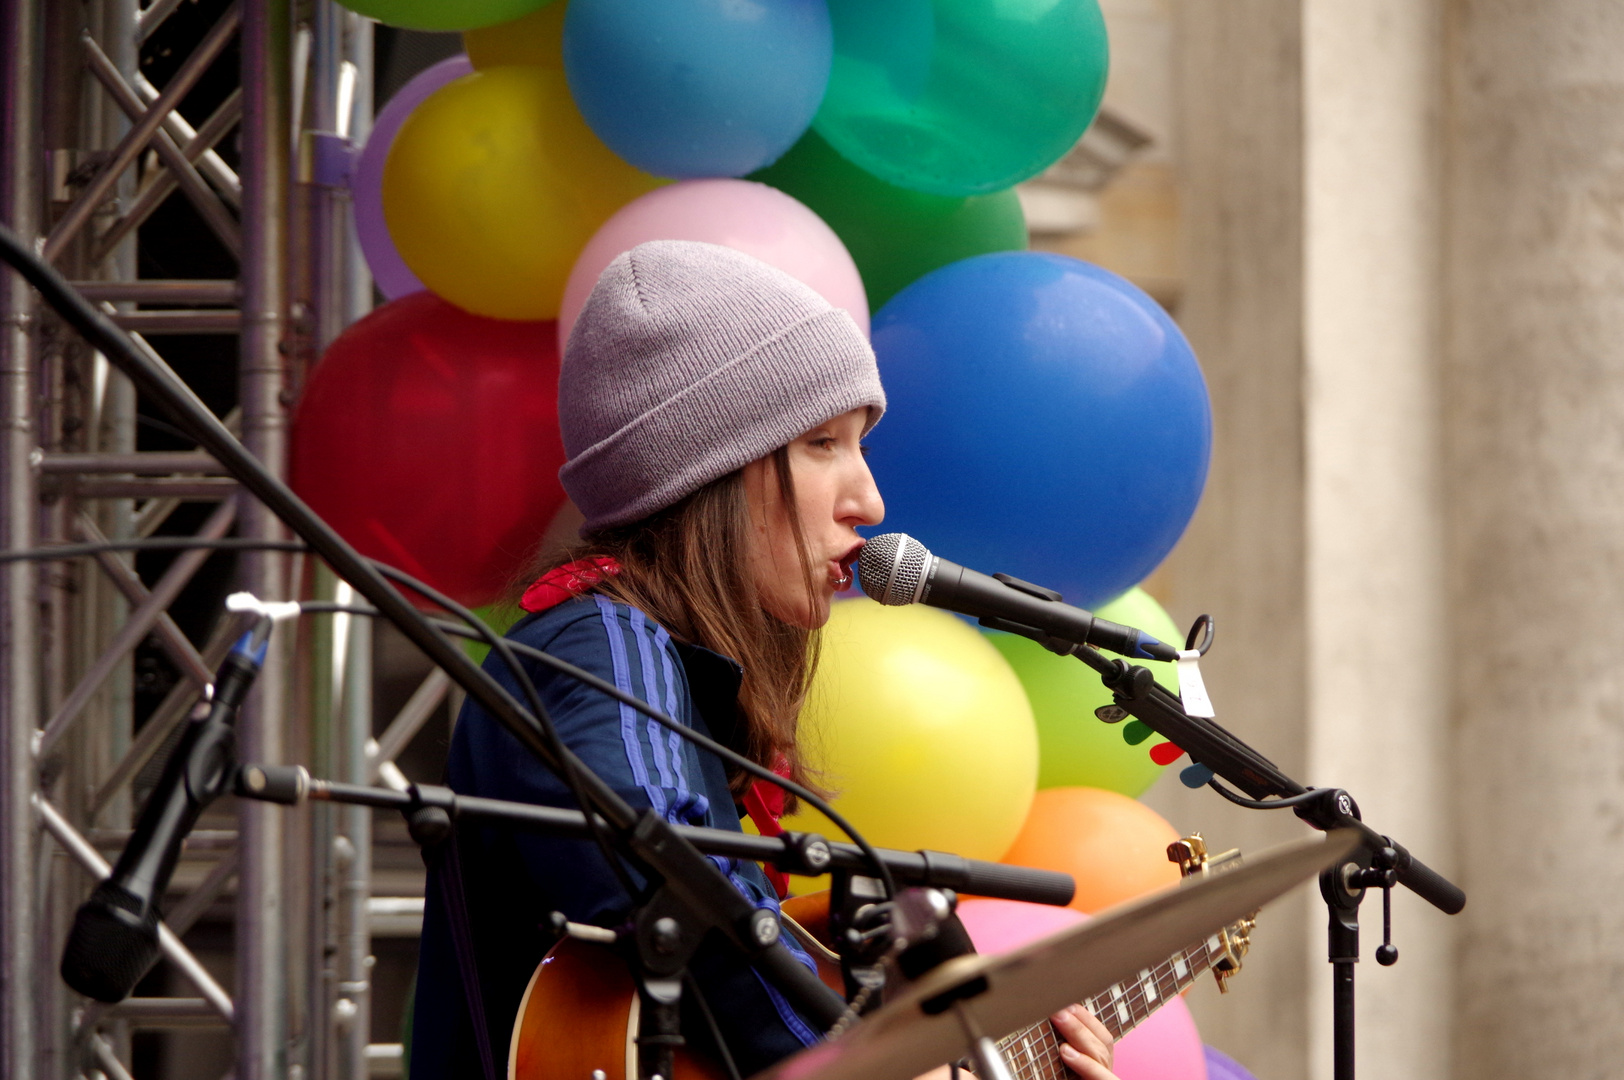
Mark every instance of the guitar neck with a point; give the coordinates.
(1033, 1053)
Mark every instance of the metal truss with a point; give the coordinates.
(93, 150)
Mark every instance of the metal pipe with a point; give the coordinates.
(196, 489)
(164, 1012)
(135, 628)
(154, 16)
(147, 463)
(354, 907)
(108, 1059)
(136, 139)
(262, 907)
(19, 618)
(159, 291)
(180, 322)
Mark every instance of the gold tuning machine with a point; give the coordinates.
(1194, 860)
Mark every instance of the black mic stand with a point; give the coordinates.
(1378, 861)
(662, 938)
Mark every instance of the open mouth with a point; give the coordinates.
(840, 576)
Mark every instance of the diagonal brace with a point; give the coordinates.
(135, 140)
(210, 164)
(208, 204)
(158, 187)
(128, 582)
(411, 718)
(135, 628)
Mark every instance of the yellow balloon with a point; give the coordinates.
(494, 185)
(537, 39)
(922, 729)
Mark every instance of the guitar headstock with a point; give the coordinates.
(1193, 859)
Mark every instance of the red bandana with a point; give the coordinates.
(764, 803)
(565, 582)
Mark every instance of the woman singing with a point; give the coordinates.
(712, 410)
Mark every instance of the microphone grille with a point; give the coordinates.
(891, 568)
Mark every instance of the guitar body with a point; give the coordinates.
(579, 1014)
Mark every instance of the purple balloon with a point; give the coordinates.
(389, 271)
(1221, 1066)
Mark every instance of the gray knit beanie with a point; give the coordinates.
(689, 361)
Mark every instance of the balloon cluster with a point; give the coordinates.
(1046, 415)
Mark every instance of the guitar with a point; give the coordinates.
(578, 1018)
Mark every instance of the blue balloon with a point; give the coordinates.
(697, 88)
(1046, 419)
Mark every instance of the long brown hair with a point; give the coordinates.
(686, 568)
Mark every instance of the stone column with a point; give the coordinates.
(1535, 495)
(1310, 178)
(1243, 560)
(1377, 659)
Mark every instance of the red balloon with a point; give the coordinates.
(428, 437)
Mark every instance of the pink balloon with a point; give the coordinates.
(740, 214)
(389, 271)
(998, 926)
(1165, 1047)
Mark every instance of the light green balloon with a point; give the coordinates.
(962, 97)
(498, 616)
(1075, 749)
(444, 14)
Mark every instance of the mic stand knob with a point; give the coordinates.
(1382, 874)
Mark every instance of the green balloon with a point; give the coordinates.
(962, 97)
(895, 235)
(1074, 748)
(498, 616)
(444, 14)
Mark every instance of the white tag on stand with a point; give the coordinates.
(1191, 688)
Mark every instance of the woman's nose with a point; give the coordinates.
(865, 506)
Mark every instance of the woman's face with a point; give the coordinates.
(834, 494)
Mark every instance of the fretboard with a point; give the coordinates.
(1033, 1053)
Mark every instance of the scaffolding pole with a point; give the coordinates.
(263, 906)
(19, 629)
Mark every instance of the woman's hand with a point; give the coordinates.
(1085, 1046)
(1085, 1043)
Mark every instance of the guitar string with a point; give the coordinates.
(1047, 1063)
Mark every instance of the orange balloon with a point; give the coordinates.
(1114, 846)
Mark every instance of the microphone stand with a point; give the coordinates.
(1378, 861)
(661, 942)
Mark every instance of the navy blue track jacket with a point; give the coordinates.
(512, 880)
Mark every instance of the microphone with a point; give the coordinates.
(895, 569)
(114, 940)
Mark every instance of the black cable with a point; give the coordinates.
(151, 543)
(710, 1022)
(1271, 804)
(569, 773)
(726, 753)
